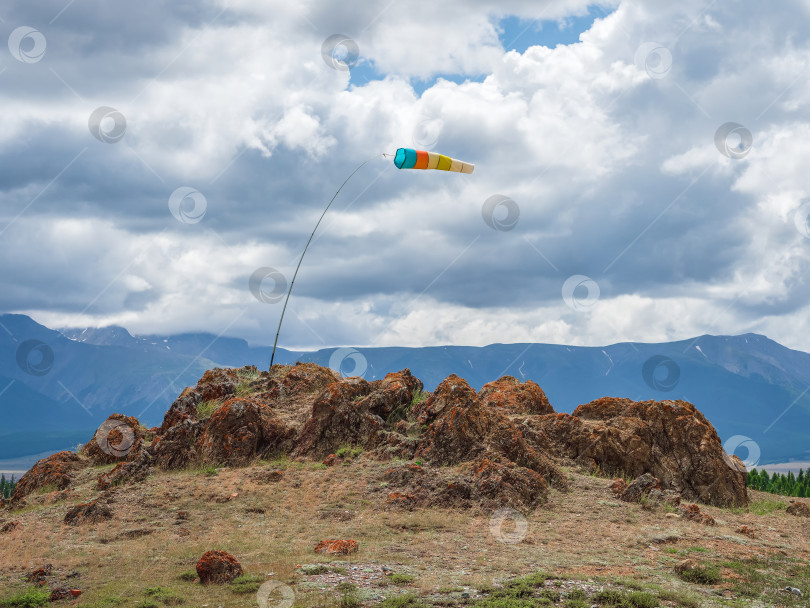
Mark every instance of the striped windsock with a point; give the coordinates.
(408, 158)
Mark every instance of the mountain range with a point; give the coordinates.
(56, 387)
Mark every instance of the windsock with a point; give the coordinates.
(408, 158)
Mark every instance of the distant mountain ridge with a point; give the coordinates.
(754, 390)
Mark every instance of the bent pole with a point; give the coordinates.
(301, 259)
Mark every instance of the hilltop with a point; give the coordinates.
(455, 496)
(747, 385)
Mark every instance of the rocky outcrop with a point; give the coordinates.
(217, 568)
(119, 438)
(500, 446)
(671, 440)
(55, 470)
(512, 396)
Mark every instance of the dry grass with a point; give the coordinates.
(584, 534)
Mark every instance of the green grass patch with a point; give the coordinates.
(349, 600)
(247, 583)
(624, 599)
(684, 600)
(29, 598)
(402, 579)
(206, 408)
(409, 600)
(165, 596)
(189, 576)
(701, 575)
(349, 451)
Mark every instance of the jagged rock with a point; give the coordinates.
(217, 384)
(184, 408)
(509, 485)
(693, 513)
(337, 547)
(176, 448)
(90, 512)
(233, 433)
(457, 423)
(355, 411)
(514, 397)
(119, 438)
(799, 509)
(217, 568)
(55, 470)
(461, 429)
(126, 472)
(642, 486)
(671, 440)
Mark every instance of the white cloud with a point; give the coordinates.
(615, 172)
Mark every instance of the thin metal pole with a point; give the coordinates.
(289, 291)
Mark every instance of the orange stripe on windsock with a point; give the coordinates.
(422, 158)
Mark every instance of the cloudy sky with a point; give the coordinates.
(641, 169)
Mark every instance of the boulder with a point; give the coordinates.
(671, 440)
(55, 470)
(217, 568)
(90, 512)
(513, 397)
(119, 438)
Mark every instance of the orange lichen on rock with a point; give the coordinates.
(217, 568)
(337, 547)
